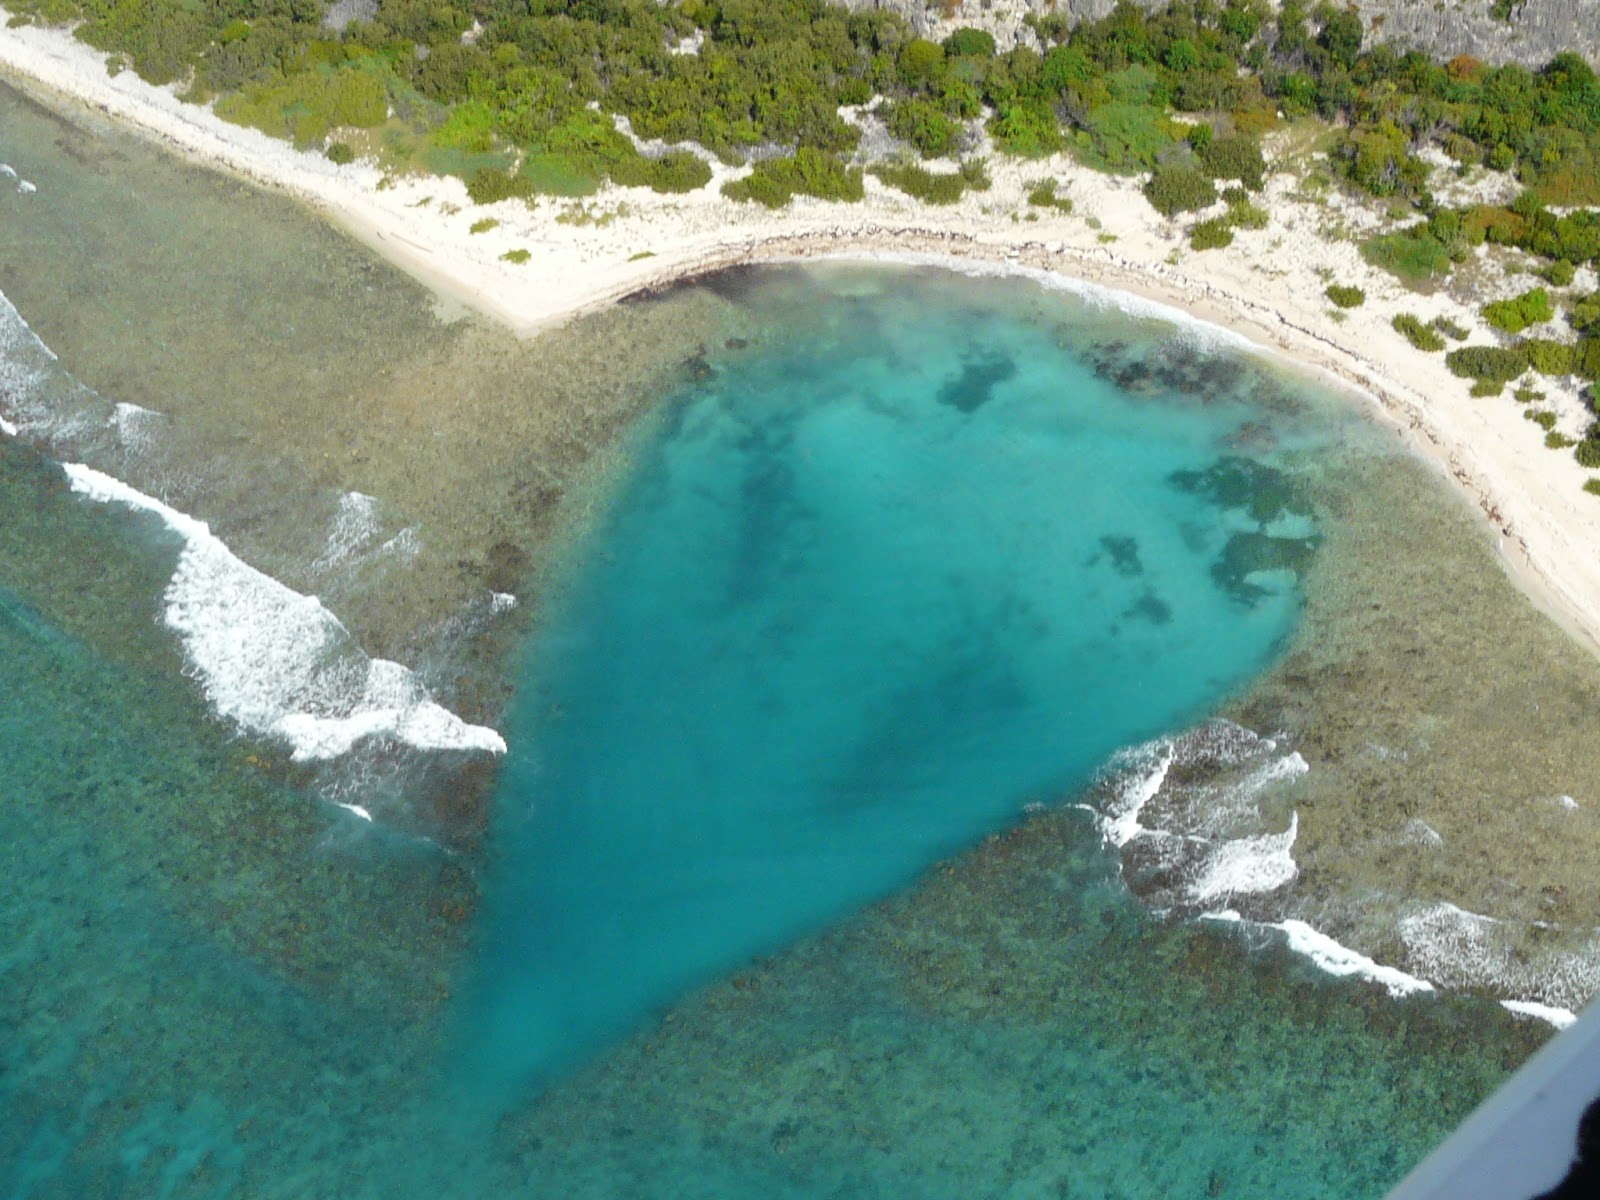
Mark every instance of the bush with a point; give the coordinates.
(340, 153)
(1211, 235)
(1588, 451)
(811, 172)
(1418, 334)
(1543, 418)
(1498, 363)
(1558, 273)
(1179, 189)
(1246, 216)
(1235, 156)
(969, 43)
(1592, 486)
(1583, 312)
(483, 225)
(1449, 328)
(1514, 315)
(1548, 357)
(1345, 296)
(489, 186)
(518, 256)
(676, 171)
(1558, 441)
(1413, 255)
(932, 187)
(1026, 130)
(1043, 195)
(925, 126)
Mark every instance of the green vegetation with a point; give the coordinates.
(1558, 441)
(1211, 235)
(1449, 328)
(1418, 334)
(1497, 364)
(1345, 296)
(518, 256)
(340, 153)
(1548, 357)
(931, 187)
(1543, 418)
(775, 181)
(484, 225)
(1172, 190)
(1414, 256)
(1592, 486)
(1514, 315)
(1043, 195)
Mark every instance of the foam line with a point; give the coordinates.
(1561, 1018)
(1331, 956)
(1249, 866)
(278, 663)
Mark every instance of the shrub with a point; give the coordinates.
(1559, 273)
(1043, 195)
(340, 153)
(1211, 235)
(1586, 357)
(676, 171)
(1449, 328)
(925, 126)
(1588, 451)
(969, 43)
(1418, 334)
(1498, 363)
(811, 172)
(1592, 486)
(1413, 255)
(1246, 216)
(1514, 315)
(1543, 418)
(1235, 156)
(484, 225)
(1345, 296)
(1558, 441)
(1179, 189)
(518, 256)
(1026, 130)
(976, 173)
(932, 187)
(488, 186)
(1548, 357)
(1583, 312)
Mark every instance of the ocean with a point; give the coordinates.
(854, 730)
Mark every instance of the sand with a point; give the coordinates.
(1268, 286)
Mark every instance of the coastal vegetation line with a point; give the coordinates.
(556, 98)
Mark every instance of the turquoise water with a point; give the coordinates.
(876, 584)
(905, 559)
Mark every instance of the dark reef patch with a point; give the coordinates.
(974, 387)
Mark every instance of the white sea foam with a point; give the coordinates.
(25, 188)
(276, 662)
(502, 602)
(1248, 866)
(136, 427)
(1332, 956)
(1561, 1018)
(7, 428)
(354, 525)
(8, 170)
(1465, 949)
(1146, 768)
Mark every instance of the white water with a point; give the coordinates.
(1331, 956)
(278, 663)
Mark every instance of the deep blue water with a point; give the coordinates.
(876, 583)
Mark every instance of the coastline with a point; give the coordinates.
(1267, 287)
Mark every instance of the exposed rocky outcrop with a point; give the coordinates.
(1536, 30)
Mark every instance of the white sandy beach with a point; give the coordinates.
(1268, 286)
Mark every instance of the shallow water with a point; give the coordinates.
(878, 581)
(216, 983)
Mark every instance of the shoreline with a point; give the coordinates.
(590, 254)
